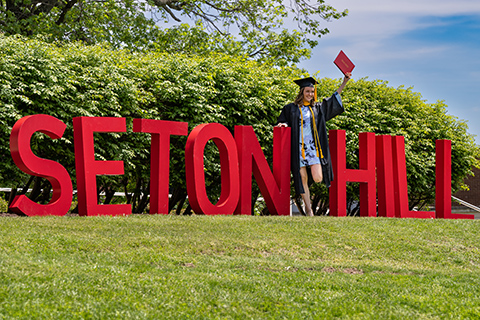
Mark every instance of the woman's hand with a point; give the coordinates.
(281, 125)
(347, 77)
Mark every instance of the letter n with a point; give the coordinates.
(443, 182)
(29, 163)
(275, 187)
(88, 168)
(365, 175)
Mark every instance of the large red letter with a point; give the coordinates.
(400, 183)
(160, 158)
(443, 183)
(88, 168)
(29, 163)
(385, 177)
(275, 187)
(194, 169)
(365, 174)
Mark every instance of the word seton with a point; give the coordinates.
(382, 166)
(239, 157)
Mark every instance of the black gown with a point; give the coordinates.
(324, 111)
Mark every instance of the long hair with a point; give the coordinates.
(300, 97)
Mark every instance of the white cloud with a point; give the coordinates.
(370, 30)
(380, 37)
(411, 7)
(382, 19)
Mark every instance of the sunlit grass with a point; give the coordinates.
(238, 267)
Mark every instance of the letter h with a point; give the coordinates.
(365, 174)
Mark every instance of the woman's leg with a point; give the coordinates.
(306, 195)
(317, 173)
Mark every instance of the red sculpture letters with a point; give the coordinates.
(365, 175)
(443, 189)
(160, 157)
(88, 168)
(275, 187)
(29, 163)
(194, 169)
(382, 168)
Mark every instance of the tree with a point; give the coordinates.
(255, 28)
(120, 23)
(287, 49)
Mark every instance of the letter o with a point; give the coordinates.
(194, 169)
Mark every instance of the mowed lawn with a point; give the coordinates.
(232, 267)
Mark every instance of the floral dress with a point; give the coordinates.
(311, 157)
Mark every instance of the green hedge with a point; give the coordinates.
(71, 80)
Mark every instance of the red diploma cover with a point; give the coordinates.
(343, 63)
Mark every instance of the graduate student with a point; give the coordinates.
(309, 142)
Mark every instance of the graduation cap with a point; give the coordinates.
(307, 82)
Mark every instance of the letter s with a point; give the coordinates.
(29, 163)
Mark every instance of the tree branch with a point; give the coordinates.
(206, 17)
(222, 9)
(167, 5)
(43, 6)
(166, 8)
(69, 5)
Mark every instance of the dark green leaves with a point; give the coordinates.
(276, 31)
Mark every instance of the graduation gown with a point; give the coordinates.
(323, 111)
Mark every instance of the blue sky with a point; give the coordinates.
(430, 45)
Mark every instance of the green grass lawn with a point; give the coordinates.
(203, 267)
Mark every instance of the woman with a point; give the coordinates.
(309, 141)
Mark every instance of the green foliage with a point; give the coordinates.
(3, 205)
(120, 23)
(168, 267)
(280, 49)
(258, 25)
